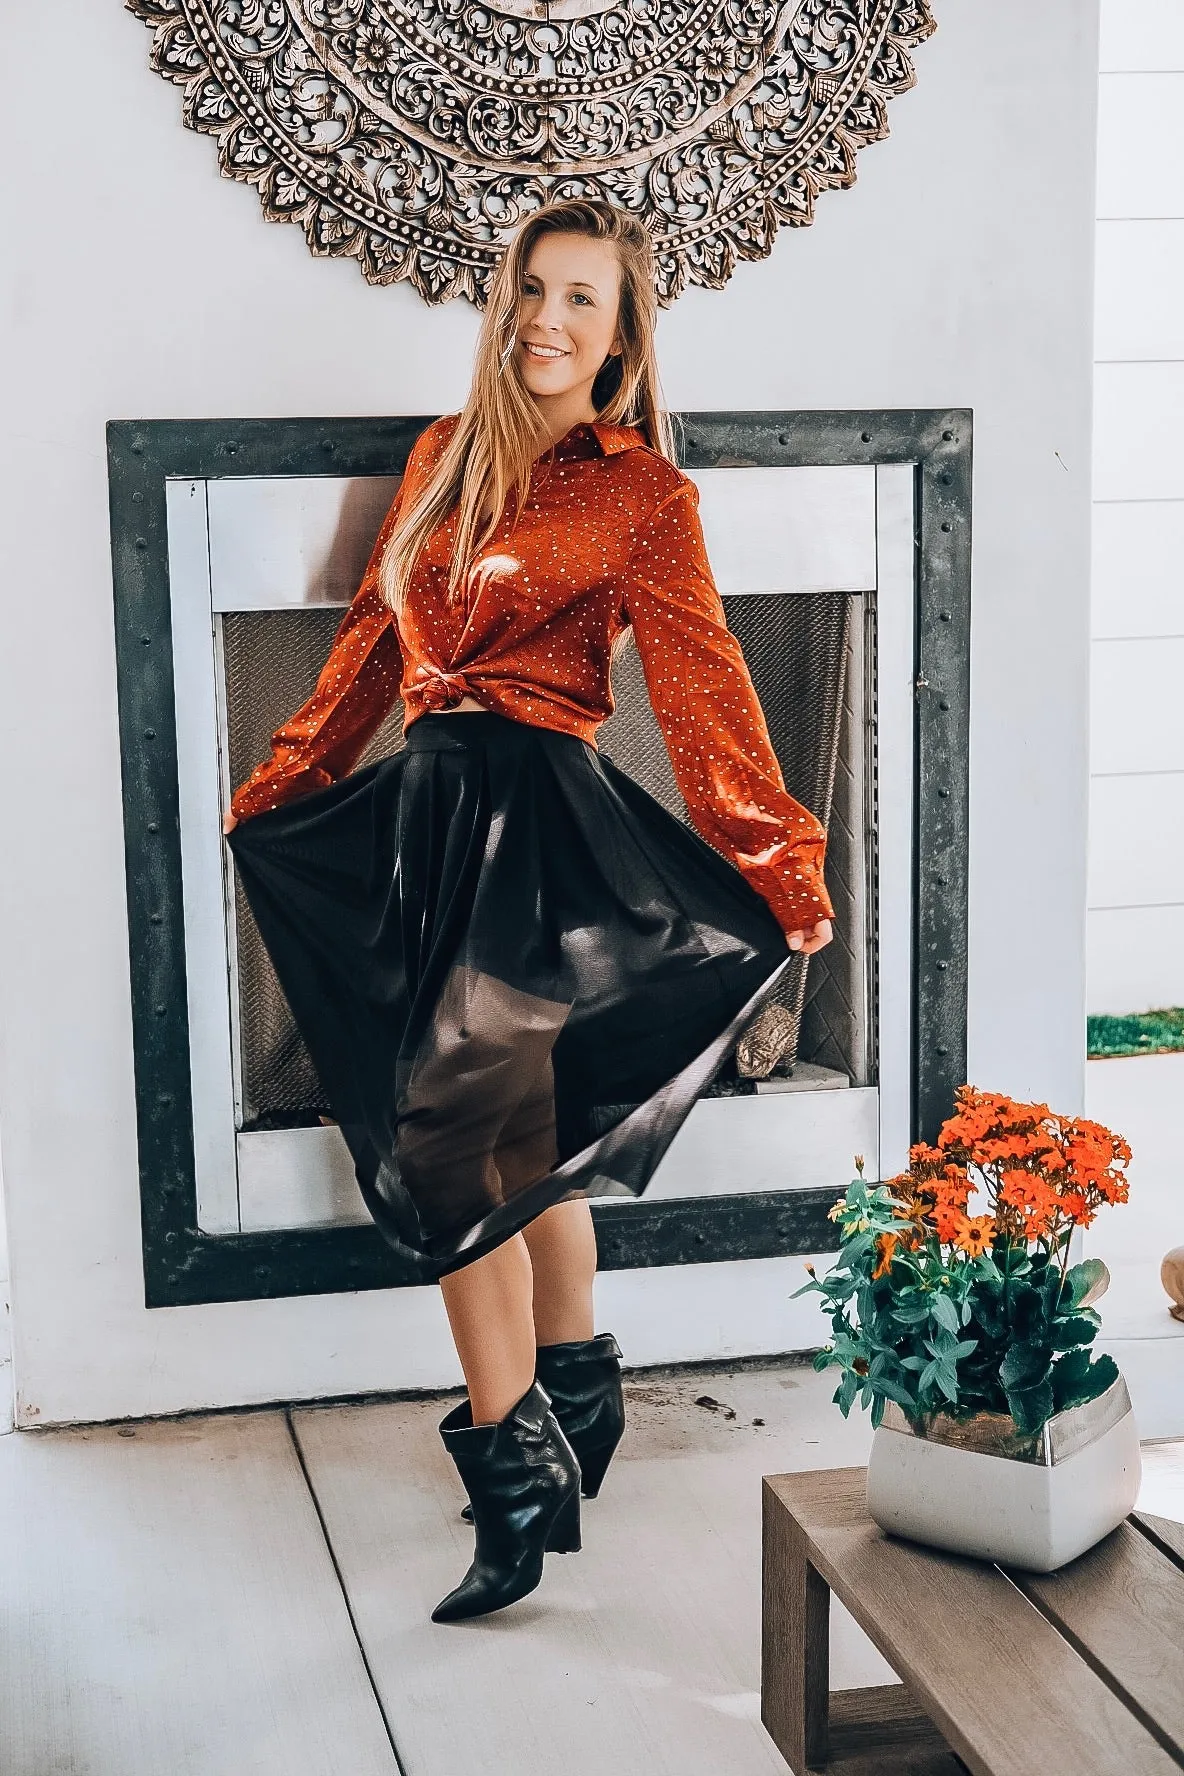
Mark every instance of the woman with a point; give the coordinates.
(514, 970)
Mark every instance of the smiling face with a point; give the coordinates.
(567, 318)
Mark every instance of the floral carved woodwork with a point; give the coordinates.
(413, 135)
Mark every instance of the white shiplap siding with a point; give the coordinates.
(1137, 35)
(1136, 883)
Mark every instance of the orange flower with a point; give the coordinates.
(1012, 1144)
(952, 1189)
(1113, 1190)
(975, 1234)
(886, 1244)
(1076, 1205)
(1034, 1198)
(900, 1186)
(1097, 1159)
(947, 1219)
(1042, 1173)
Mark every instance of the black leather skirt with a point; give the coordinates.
(514, 972)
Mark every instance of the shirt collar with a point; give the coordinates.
(584, 437)
(614, 438)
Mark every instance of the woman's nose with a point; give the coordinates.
(550, 314)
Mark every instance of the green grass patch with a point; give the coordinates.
(1149, 1032)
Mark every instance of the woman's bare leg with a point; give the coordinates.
(488, 1304)
(533, 1289)
(562, 1246)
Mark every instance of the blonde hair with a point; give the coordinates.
(501, 430)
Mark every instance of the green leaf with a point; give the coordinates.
(895, 1390)
(942, 1343)
(1076, 1380)
(848, 1388)
(912, 1306)
(1030, 1407)
(1028, 1312)
(943, 1311)
(1081, 1279)
(1050, 1290)
(929, 1375)
(1026, 1365)
(947, 1381)
(1077, 1329)
(1070, 1371)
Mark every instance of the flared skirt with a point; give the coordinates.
(513, 969)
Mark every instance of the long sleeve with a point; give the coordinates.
(712, 721)
(358, 685)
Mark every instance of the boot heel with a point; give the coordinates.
(564, 1535)
(593, 1466)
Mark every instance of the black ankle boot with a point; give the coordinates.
(583, 1379)
(523, 1479)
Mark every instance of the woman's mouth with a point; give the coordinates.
(544, 351)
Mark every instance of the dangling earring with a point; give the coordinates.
(508, 352)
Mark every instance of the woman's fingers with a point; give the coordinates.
(229, 822)
(816, 937)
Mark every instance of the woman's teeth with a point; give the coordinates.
(544, 351)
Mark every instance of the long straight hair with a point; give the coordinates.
(501, 430)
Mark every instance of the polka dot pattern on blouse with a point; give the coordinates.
(610, 535)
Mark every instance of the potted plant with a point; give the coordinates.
(958, 1318)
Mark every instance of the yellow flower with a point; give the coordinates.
(975, 1235)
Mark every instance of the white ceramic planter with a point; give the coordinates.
(979, 1488)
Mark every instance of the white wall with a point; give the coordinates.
(958, 271)
(1136, 875)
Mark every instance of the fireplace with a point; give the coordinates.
(806, 651)
(841, 546)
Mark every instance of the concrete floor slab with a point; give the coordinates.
(168, 1607)
(640, 1654)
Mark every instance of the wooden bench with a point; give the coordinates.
(1073, 1673)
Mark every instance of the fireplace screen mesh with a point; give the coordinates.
(799, 650)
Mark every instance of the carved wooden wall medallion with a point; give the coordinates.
(413, 135)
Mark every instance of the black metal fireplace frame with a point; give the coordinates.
(184, 1265)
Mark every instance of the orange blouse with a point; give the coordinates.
(610, 535)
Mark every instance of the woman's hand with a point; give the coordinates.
(816, 937)
(229, 821)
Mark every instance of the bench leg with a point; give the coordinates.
(795, 1644)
